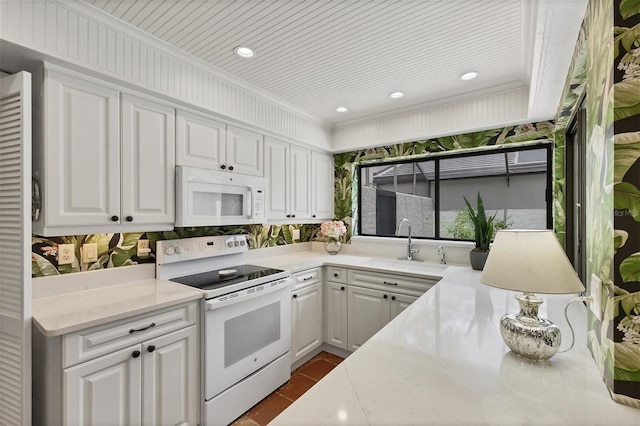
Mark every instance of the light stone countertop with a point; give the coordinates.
(66, 313)
(443, 361)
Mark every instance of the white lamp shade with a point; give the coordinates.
(529, 261)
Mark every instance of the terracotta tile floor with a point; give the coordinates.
(301, 381)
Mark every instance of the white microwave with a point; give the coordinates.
(212, 198)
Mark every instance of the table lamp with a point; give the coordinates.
(531, 261)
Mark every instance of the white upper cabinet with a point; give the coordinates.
(103, 164)
(298, 179)
(78, 162)
(244, 152)
(200, 141)
(148, 162)
(300, 168)
(322, 178)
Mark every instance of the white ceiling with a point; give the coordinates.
(321, 54)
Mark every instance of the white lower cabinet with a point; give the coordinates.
(306, 313)
(336, 314)
(150, 375)
(369, 310)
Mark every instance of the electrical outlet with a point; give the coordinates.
(89, 252)
(296, 234)
(595, 291)
(143, 248)
(65, 254)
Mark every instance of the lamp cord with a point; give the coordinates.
(573, 334)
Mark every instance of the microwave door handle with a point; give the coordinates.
(250, 212)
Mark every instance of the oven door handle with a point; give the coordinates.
(216, 303)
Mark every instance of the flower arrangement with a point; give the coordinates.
(333, 230)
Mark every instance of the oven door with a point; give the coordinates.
(245, 333)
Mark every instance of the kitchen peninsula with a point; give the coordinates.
(443, 361)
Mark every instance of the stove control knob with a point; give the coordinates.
(230, 244)
(242, 242)
(169, 251)
(179, 250)
(236, 243)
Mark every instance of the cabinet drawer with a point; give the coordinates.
(390, 282)
(304, 278)
(336, 275)
(97, 341)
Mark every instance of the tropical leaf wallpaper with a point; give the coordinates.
(116, 250)
(345, 199)
(606, 66)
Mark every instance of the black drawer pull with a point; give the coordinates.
(393, 298)
(342, 288)
(114, 218)
(335, 274)
(389, 283)
(308, 278)
(133, 330)
(135, 354)
(151, 348)
(129, 219)
(385, 296)
(295, 296)
(222, 166)
(230, 167)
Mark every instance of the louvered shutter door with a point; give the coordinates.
(15, 249)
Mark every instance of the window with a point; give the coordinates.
(514, 183)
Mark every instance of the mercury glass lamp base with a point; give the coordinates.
(528, 336)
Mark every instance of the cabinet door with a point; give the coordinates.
(369, 311)
(148, 163)
(170, 378)
(400, 302)
(244, 152)
(306, 320)
(336, 314)
(104, 391)
(82, 152)
(200, 141)
(322, 186)
(300, 165)
(277, 173)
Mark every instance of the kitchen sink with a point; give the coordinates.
(408, 265)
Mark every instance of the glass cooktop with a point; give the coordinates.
(223, 277)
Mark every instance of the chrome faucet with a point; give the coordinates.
(410, 249)
(443, 255)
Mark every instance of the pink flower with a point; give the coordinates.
(333, 230)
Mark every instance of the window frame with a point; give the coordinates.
(461, 153)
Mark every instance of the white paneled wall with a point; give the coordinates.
(77, 33)
(501, 109)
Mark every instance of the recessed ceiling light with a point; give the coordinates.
(468, 75)
(396, 95)
(244, 52)
(342, 109)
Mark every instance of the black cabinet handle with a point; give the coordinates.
(295, 296)
(114, 218)
(313, 216)
(129, 219)
(307, 279)
(133, 330)
(230, 167)
(288, 215)
(335, 275)
(342, 288)
(385, 296)
(135, 354)
(293, 215)
(222, 166)
(151, 348)
(390, 283)
(393, 298)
